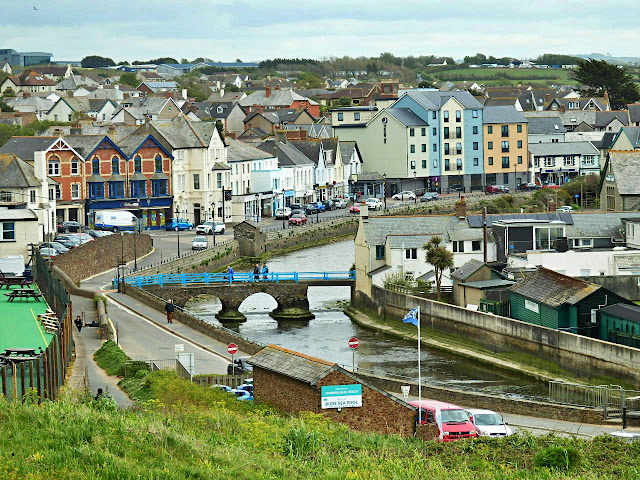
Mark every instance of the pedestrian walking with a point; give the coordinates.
(98, 394)
(265, 271)
(230, 273)
(78, 323)
(256, 272)
(169, 308)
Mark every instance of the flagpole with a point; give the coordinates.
(419, 369)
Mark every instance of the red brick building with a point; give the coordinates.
(292, 382)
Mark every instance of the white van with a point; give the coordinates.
(114, 220)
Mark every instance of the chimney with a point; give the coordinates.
(547, 97)
(221, 92)
(233, 135)
(606, 96)
(281, 136)
(268, 91)
(167, 94)
(70, 94)
(117, 87)
(552, 206)
(184, 93)
(126, 95)
(562, 109)
(364, 212)
(26, 94)
(461, 208)
(277, 86)
(100, 87)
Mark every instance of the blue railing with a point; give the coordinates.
(237, 277)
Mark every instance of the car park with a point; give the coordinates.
(339, 202)
(429, 197)
(355, 208)
(199, 243)
(406, 195)
(488, 423)
(48, 252)
(66, 227)
(452, 421)
(67, 241)
(298, 219)
(310, 208)
(239, 366)
(179, 224)
(283, 213)
(374, 203)
(208, 227)
(328, 205)
(84, 237)
(57, 246)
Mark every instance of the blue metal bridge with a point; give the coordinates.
(184, 279)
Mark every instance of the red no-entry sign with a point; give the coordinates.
(353, 342)
(232, 348)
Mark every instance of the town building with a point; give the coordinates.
(28, 81)
(558, 163)
(546, 130)
(273, 99)
(24, 59)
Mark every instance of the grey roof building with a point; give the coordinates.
(546, 125)
(25, 147)
(287, 154)
(562, 148)
(406, 117)
(502, 114)
(433, 100)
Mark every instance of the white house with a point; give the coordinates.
(351, 161)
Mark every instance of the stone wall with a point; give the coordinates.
(470, 399)
(102, 254)
(312, 232)
(379, 413)
(581, 355)
(627, 286)
(222, 335)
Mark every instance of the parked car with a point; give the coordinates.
(242, 395)
(296, 206)
(310, 208)
(374, 203)
(207, 228)
(84, 237)
(530, 186)
(48, 252)
(57, 246)
(66, 227)
(298, 219)
(406, 195)
(489, 423)
(320, 206)
(224, 388)
(456, 188)
(247, 387)
(626, 435)
(67, 240)
(566, 209)
(98, 233)
(329, 205)
(429, 197)
(496, 189)
(339, 202)
(297, 211)
(355, 208)
(179, 224)
(283, 213)
(452, 421)
(552, 186)
(239, 366)
(199, 243)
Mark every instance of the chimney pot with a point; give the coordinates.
(268, 91)
(277, 86)
(167, 94)
(547, 97)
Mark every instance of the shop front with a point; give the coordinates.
(153, 213)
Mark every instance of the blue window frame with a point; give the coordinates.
(116, 189)
(158, 161)
(379, 252)
(115, 165)
(137, 164)
(95, 166)
(96, 190)
(138, 188)
(159, 188)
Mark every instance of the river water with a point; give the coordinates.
(327, 335)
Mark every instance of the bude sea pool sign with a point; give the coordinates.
(341, 396)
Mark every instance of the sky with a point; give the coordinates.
(250, 30)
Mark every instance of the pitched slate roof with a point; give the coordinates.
(51, 70)
(277, 98)
(634, 112)
(16, 173)
(433, 100)
(405, 116)
(30, 78)
(287, 154)
(84, 144)
(563, 148)
(311, 148)
(626, 172)
(502, 114)
(620, 310)
(633, 134)
(75, 81)
(25, 147)
(292, 364)
(181, 132)
(377, 229)
(238, 151)
(552, 288)
(468, 269)
(571, 117)
(545, 126)
(607, 141)
(598, 224)
(605, 118)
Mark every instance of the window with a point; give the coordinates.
(585, 272)
(458, 148)
(423, 131)
(95, 166)
(116, 189)
(412, 148)
(519, 143)
(505, 178)
(435, 164)
(139, 188)
(505, 162)
(446, 164)
(505, 146)
(458, 132)
(32, 196)
(504, 130)
(446, 149)
(413, 164)
(553, 140)
(219, 180)
(435, 147)
(583, 242)
(8, 230)
(412, 132)
(474, 113)
(569, 161)
(58, 192)
(445, 131)
(159, 188)
(158, 164)
(340, 116)
(423, 147)
(519, 128)
(519, 159)
(356, 116)
(549, 162)
(54, 166)
(459, 164)
(489, 128)
(445, 116)
(379, 252)
(434, 115)
(96, 190)
(458, 246)
(424, 164)
(435, 131)
(458, 115)
(490, 160)
(476, 161)
(490, 145)
(475, 145)
(475, 129)
(51, 194)
(75, 166)
(411, 253)
(546, 237)
(196, 181)
(476, 246)
(137, 164)
(115, 165)
(75, 191)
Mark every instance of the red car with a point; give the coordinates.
(297, 219)
(355, 208)
(553, 186)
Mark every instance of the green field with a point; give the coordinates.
(502, 76)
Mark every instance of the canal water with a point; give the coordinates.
(327, 335)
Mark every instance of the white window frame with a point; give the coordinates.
(3, 230)
(583, 242)
(53, 172)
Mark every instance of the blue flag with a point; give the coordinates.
(411, 317)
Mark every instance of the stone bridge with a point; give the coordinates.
(293, 303)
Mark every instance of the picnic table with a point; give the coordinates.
(26, 293)
(10, 280)
(20, 351)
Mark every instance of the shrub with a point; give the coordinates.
(298, 442)
(557, 458)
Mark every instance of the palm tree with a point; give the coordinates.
(438, 256)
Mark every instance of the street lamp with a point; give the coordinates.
(178, 229)
(384, 189)
(213, 219)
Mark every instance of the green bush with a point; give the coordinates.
(557, 458)
(111, 358)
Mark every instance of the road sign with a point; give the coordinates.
(341, 396)
(179, 347)
(353, 342)
(232, 348)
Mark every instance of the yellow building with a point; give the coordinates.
(505, 147)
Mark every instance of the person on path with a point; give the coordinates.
(78, 322)
(98, 395)
(169, 308)
(265, 271)
(230, 273)
(256, 272)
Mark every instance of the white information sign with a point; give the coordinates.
(341, 396)
(533, 306)
(179, 347)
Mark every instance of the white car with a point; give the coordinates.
(489, 423)
(339, 202)
(566, 209)
(199, 243)
(207, 228)
(374, 203)
(283, 213)
(48, 252)
(406, 195)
